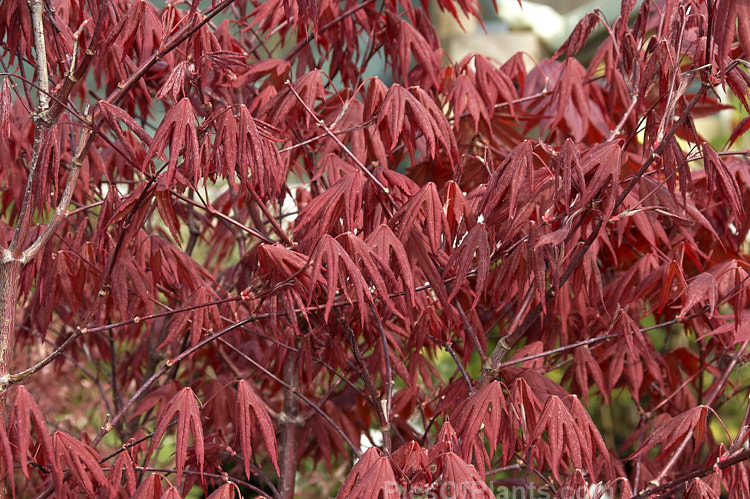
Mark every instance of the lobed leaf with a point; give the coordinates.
(178, 132)
(673, 432)
(185, 405)
(26, 412)
(252, 422)
(371, 478)
(80, 460)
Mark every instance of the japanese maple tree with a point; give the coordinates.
(232, 264)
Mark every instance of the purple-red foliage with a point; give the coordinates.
(231, 262)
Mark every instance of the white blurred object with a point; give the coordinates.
(550, 26)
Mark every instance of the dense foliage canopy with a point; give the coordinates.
(232, 263)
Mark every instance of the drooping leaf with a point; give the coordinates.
(507, 179)
(494, 85)
(226, 491)
(177, 82)
(698, 488)
(389, 248)
(673, 432)
(586, 367)
(579, 36)
(730, 17)
(150, 488)
(26, 412)
(341, 274)
(373, 268)
(483, 411)
(701, 287)
(125, 464)
(81, 460)
(423, 212)
(253, 422)
(371, 478)
(424, 116)
(462, 479)
(465, 96)
(164, 205)
(203, 315)
(563, 434)
(7, 459)
(140, 26)
(337, 210)
(721, 179)
(185, 405)
(476, 243)
(178, 132)
(411, 461)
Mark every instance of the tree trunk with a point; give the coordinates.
(10, 271)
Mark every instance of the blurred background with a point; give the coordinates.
(537, 29)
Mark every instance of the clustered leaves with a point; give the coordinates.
(233, 262)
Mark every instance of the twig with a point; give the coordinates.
(452, 353)
(276, 227)
(613, 135)
(61, 212)
(565, 348)
(213, 211)
(385, 404)
(503, 345)
(343, 147)
(706, 470)
(223, 477)
(369, 382)
(470, 331)
(719, 387)
(302, 397)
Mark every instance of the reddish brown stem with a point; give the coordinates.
(289, 423)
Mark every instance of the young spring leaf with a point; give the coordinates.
(185, 405)
(253, 422)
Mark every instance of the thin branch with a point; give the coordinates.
(276, 227)
(37, 26)
(302, 397)
(453, 354)
(25, 374)
(718, 389)
(387, 403)
(662, 145)
(213, 211)
(613, 135)
(701, 472)
(503, 344)
(562, 349)
(223, 477)
(470, 331)
(343, 147)
(61, 212)
(362, 126)
(373, 397)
